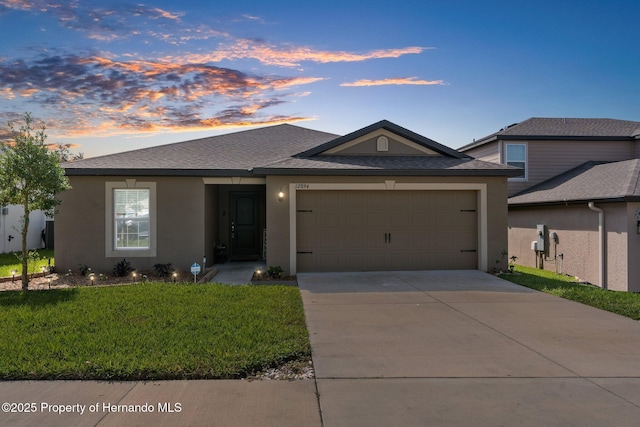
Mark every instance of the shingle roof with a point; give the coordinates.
(275, 150)
(237, 151)
(388, 165)
(562, 128)
(590, 181)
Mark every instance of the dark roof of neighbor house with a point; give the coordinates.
(564, 128)
(283, 149)
(591, 181)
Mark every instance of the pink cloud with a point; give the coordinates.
(393, 81)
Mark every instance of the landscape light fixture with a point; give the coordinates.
(13, 275)
(134, 277)
(174, 277)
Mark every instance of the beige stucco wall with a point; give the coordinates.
(278, 230)
(633, 255)
(578, 241)
(80, 224)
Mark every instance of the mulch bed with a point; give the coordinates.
(58, 281)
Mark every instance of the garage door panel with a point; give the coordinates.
(373, 219)
(349, 230)
(401, 219)
(351, 220)
(375, 200)
(375, 240)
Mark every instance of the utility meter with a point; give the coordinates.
(542, 239)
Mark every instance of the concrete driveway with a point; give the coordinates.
(465, 348)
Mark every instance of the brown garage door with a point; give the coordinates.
(386, 230)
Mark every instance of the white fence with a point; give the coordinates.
(10, 226)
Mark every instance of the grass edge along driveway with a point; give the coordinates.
(150, 331)
(623, 303)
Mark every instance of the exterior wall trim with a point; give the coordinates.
(481, 188)
(109, 250)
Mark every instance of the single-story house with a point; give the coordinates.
(380, 198)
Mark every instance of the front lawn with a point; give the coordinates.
(149, 331)
(623, 303)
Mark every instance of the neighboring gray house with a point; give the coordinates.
(580, 180)
(380, 198)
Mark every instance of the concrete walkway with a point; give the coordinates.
(436, 348)
(446, 348)
(237, 273)
(161, 403)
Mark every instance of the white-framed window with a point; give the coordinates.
(130, 226)
(131, 214)
(516, 155)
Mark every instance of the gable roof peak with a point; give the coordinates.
(393, 128)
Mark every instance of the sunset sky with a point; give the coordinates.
(110, 76)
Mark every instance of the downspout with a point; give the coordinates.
(603, 283)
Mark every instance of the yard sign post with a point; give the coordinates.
(195, 269)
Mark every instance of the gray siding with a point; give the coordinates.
(489, 152)
(546, 159)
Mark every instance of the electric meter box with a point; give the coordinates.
(543, 238)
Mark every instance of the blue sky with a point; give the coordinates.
(113, 76)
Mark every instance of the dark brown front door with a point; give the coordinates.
(245, 225)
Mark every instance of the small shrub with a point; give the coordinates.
(123, 268)
(275, 272)
(163, 270)
(84, 269)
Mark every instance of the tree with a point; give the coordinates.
(31, 176)
(65, 155)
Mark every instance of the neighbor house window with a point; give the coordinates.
(130, 214)
(516, 155)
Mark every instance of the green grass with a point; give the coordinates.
(149, 331)
(9, 262)
(623, 303)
